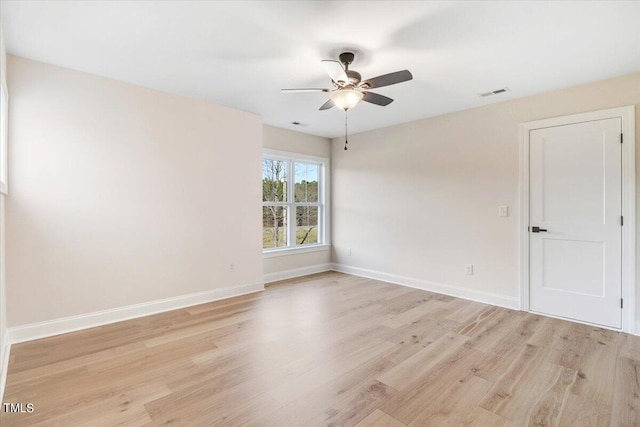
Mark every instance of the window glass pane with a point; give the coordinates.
(274, 226)
(306, 225)
(274, 180)
(306, 182)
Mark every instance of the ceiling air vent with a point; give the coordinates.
(495, 92)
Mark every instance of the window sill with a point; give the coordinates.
(272, 253)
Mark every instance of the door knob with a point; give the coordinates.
(538, 230)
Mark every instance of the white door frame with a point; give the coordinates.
(627, 115)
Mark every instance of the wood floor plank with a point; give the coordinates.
(409, 316)
(498, 357)
(594, 372)
(631, 347)
(550, 406)
(528, 376)
(330, 349)
(453, 405)
(570, 345)
(546, 333)
(379, 418)
(467, 311)
(326, 372)
(580, 412)
(18, 377)
(626, 400)
(407, 404)
(421, 362)
(326, 402)
(414, 338)
(351, 408)
(480, 417)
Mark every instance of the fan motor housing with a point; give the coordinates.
(354, 77)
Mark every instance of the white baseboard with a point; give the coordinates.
(297, 272)
(75, 323)
(5, 349)
(454, 291)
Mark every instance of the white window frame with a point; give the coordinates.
(290, 204)
(4, 135)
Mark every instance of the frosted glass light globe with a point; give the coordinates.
(346, 98)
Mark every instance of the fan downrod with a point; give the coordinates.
(346, 58)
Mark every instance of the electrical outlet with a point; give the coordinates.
(232, 267)
(349, 251)
(468, 269)
(503, 211)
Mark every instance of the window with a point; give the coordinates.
(4, 116)
(293, 201)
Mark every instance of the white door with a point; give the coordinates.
(575, 221)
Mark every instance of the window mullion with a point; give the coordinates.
(291, 208)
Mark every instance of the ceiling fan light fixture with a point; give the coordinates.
(346, 98)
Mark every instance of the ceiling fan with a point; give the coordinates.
(349, 89)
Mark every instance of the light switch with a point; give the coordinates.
(503, 211)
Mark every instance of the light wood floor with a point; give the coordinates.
(331, 349)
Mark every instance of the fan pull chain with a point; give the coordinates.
(345, 131)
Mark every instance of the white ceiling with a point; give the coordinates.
(241, 53)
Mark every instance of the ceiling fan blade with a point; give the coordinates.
(377, 99)
(387, 79)
(335, 71)
(327, 105)
(305, 90)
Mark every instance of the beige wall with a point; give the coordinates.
(3, 298)
(123, 195)
(420, 200)
(295, 142)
